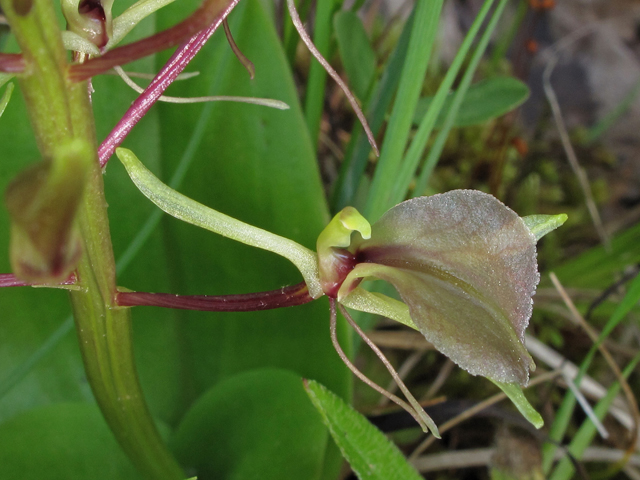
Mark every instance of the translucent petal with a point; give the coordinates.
(465, 265)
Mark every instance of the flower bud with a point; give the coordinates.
(91, 19)
(42, 202)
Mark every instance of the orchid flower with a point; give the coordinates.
(463, 263)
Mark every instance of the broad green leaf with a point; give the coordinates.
(358, 58)
(465, 265)
(371, 455)
(254, 164)
(61, 442)
(257, 165)
(540, 225)
(257, 424)
(484, 101)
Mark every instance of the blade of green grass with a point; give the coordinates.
(587, 431)
(420, 47)
(503, 43)
(596, 268)
(314, 98)
(358, 58)
(424, 132)
(355, 161)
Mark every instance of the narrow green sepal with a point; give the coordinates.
(515, 394)
(540, 225)
(190, 211)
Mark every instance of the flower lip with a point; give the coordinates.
(465, 266)
(343, 262)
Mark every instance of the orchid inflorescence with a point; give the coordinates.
(463, 264)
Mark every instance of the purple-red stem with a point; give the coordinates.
(10, 280)
(11, 63)
(211, 12)
(176, 64)
(249, 302)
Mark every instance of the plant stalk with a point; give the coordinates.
(60, 112)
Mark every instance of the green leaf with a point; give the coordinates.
(257, 165)
(270, 430)
(599, 267)
(515, 394)
(465, 265)
(484, 101)
(61, 442)
(540, 225)
(371, 455)
(254, 164)
(358, 58)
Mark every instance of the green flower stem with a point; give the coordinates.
(60, 112)
(105, 338)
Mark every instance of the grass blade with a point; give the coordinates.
(420, 141)
(420, 47)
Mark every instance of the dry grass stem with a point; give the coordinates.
(631, 399)
(470, 412)
(564, 134)
(246, 63)
(437, 384)
(482, 457)
(401, 339)
(332, 73)
(403, 371)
